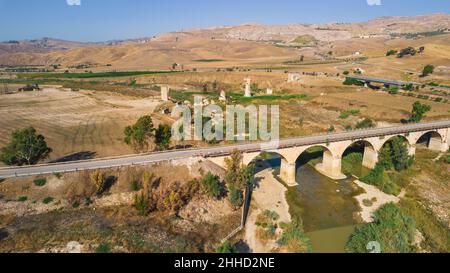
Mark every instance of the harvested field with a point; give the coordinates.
(74, 122)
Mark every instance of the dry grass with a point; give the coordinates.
(74, 122)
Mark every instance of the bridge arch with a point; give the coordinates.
(331, 160)
(287, 169)
(387, 139)
(368, 150)
(263, 155)
(432, 139)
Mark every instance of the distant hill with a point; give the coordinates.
(43, 45)
(233, 45)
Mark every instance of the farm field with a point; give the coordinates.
(74, 122)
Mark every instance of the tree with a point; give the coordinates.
(418, 112)
(237, 177)
(395, 155)
(237, 174)
(236, 197)
(162, 136)
(385, 159)
(254, 87)
(407, 51)
(391, 52)
(138, 135)
(427, 70)
(26, 148)
(400, 155)
(409, 87)
(99, 180)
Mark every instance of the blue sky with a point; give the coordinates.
(100, 20)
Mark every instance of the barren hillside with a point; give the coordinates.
(229, 46)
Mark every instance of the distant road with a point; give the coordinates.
(392, 82)
(378, 80)
(212, 152)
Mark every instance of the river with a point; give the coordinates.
(326, 207)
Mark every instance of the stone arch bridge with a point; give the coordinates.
(334, 145)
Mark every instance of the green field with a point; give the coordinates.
(90, 75)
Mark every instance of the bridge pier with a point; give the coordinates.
(370, 158)
(436, 144)
(288, 173)
(412, 150)
(331, 166)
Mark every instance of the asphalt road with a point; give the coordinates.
(143, 159)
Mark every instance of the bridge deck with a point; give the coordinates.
(217, 151)
(377, 80)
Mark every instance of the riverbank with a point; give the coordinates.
(268, 194)
(372, 200)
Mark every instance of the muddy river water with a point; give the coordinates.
(326, 207)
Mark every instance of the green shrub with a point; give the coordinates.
(75, 204)
(135, 186)
(409, 87)
(392, 229)
(22, 198)
(436, 234)
(88, 201)
(366, 123)
(446, 159)
(391, 52)
(48, 200)
(226, 247)
(351, 162)
(142, 204)
(272, 215)
(40, 181)
(294, 238)
(211, 184)
(427, 70)
(379, 178)
(348, 113)
(103, 248)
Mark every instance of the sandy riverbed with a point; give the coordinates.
(376, 197)
(269, 194)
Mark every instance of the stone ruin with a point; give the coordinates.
(293, 77)
(223, 96)
(248, 89)
(165, 92)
